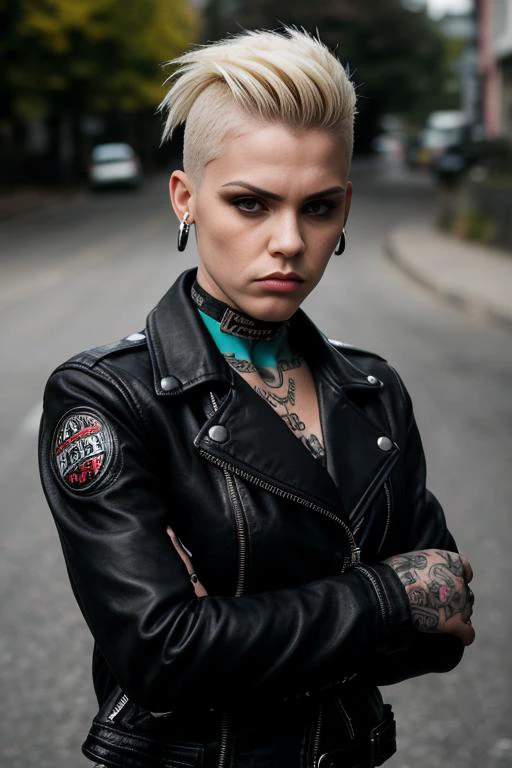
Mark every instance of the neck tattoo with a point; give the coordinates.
(259, 350)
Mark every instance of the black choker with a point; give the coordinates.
(231, 320)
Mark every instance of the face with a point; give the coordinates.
(268, 212)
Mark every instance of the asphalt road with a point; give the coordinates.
(86, 271)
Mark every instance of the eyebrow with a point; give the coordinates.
(273, 196)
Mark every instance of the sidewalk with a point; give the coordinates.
(475, 278)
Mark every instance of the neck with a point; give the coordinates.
(233, 321)
(240, 337)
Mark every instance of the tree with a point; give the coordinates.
(68, 59)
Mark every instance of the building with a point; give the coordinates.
(503, 49)
(495, 66)
(460, 29)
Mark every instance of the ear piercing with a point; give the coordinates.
(183, 232)
(341, 243)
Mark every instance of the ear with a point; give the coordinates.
(348, 201)
(181, 194)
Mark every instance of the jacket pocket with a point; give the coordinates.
(374, 526)
(389, 507)
(117, 747)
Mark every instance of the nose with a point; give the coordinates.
(286, 238)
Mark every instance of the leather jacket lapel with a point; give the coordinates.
(183, 355)
(255, 441)
(356, 459)
(248, 435)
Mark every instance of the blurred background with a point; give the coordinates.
(88, 245)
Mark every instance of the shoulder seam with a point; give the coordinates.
(112, 379)
(342, 347)
(91, 357)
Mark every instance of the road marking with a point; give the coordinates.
(30, 424)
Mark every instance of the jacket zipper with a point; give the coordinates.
(316, 734)
(387, 491)
(224, 740)
(355, 553)
(238, 516)
(120, 704)
(346, 717)
(240, 527)
(377, 587)
(241, 534)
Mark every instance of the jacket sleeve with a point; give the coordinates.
(423, 526)
(164, 646)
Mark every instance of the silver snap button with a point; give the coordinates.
(218, 433)
(372, 380)
(384, 443)
(135, 337)
(168, 383)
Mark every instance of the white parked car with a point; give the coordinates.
(114, 164)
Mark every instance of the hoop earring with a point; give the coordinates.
(341, 243)
(183, 232)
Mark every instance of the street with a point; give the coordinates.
(87, 271)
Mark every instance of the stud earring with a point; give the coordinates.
(341, 243)
(183, 232)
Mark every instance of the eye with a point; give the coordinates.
(320, 208)
(248, 204)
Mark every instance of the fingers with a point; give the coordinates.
(198, 587)
(464, 630)
(467, 635)
(181, 552)
(468, 571)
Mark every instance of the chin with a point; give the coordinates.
(273, 310)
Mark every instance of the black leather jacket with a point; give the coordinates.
(279, 664)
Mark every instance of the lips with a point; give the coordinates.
(281, 283)
(285, 276)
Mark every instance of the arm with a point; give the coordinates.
(165, 646)
(434, 577)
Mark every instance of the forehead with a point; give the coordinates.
(274, 152)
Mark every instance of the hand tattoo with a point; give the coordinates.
(434, 581)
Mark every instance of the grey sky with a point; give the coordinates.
(438, 7)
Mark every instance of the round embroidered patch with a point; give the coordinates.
(82, 449)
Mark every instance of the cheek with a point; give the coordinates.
(321, 242)
(221, 224)
(227, 233)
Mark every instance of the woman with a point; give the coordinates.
(241, 502)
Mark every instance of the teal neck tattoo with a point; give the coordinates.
(262, 354)
(247, 344)
(254, 346)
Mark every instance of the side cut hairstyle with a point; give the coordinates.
(288, 77)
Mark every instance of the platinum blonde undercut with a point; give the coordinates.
(291, 78)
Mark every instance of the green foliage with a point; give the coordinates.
(471, 224)
(90, 55)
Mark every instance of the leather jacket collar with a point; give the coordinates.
(184, 356)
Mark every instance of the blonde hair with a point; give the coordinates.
(290, 78)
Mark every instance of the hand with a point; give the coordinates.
(436, 583)
(198, 587)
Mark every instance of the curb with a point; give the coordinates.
(477, 309)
